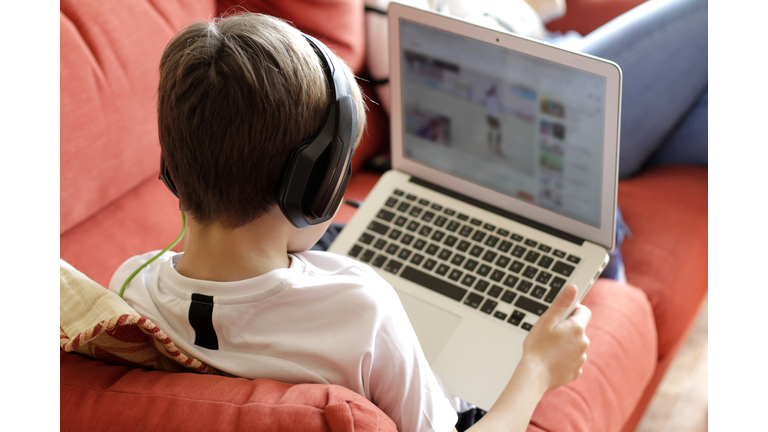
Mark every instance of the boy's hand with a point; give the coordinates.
(556, 346)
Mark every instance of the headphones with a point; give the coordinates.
(318, 170)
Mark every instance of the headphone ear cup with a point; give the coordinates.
(317, 172)
(165, 176)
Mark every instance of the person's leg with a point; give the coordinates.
(661, 47)
(689, 142)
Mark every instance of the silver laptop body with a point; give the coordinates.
(503, 190)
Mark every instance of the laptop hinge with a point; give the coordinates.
(501, 212)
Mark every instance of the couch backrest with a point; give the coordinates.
(110, 54)
(109, 60)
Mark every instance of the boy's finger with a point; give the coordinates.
(560, 305)
(581, 315)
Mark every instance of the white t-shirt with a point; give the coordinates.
(325, 319)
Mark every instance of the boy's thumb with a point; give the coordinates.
(562, 303)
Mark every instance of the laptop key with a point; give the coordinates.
(410, 197)
(395, 234)
(468, 280)
(531, 243)
(419, 244)
(481, 285)
(530, 305)
(367, 255)
(431, 249)
(545, 248)
(511, 281)
(429, 264)
(463, 245)
(403, 207)
(440, 221)
(385, 215)
(497, 275)
(503, 261)
(398, 192)
(500, 315)
(518, 251)
(495, 291)
(380, 243)
(391, 202)
(546, 261)
(483, 270)
(457, 259)
(393, 266)
(558, 253)
(470, 264)
(438, 235)
(526, 326)
(478, 236)
(543, 277)
(473, 300)
(355, 251)
(489, 306)
(438, 285)
(379, 260)
(476, 251)
(562, 268)
(538, 291)
(400, 221)
(407, 239)
(442, 269)
(491, 241)
(451, 240)
(412, 226)
(466, 230)
(530, 272)
(505, 245)
(516, 266)
(366, 238)
(524, 286)
(453, 226)
(532, 256)
(404, 254)
(490, 256)
(427, 216)
(416, 259)
(516, 318)
(455, 275)
(517, 237)
(392, 249)
(508, 296)
(378, 227)
(574, 259)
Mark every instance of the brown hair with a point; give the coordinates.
(236, 96)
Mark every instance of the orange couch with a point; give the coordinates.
(113, 207)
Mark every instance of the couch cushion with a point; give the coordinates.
(109, 62)
(337, 23)
(621, 359)
(99, 396)
(666, 208)
(96, 322)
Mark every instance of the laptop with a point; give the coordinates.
(502, 190)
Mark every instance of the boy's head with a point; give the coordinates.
(235, 98)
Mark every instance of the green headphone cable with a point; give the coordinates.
(183, 230)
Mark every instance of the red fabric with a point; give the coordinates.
(584, 16)
(145, 219)
(621, 360)
(109, 62)
(337, 23)
(666, 208)
(155, 400)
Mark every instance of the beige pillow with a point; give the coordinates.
(96, 322)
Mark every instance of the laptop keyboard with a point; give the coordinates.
(485, 267)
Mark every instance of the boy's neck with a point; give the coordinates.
(217, 254)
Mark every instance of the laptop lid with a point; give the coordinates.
(515, 123)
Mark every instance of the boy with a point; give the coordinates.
(235, 98)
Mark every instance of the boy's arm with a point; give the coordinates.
(554, 352)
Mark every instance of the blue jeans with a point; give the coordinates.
(661, 47)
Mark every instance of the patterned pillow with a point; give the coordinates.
(96, 322)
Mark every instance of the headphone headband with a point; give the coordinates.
(318, 170)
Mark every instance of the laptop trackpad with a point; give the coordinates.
(432, 324)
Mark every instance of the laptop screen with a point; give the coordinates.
(520, 125)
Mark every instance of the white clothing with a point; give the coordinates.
(326, 318)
